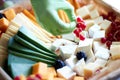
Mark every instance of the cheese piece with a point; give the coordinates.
(86, 46)
(66, 73)
(90, 69)
(71, 61)
(85, 34)
(102, 53)
(52, 70)
(78, 78)
(90, 7)
(60, 42)
(115, 51)
(3, 24)
(115, 43)
(94, 14)
(93, 29)
(69, 36)
(40, 68)
(100, 62)
(98, 20)
(99, 34)
(58, 78)
(79, 66)
(89, 23)
(67, 51)
(83, 12)
(105, 24)
(10, 14)
(96, 45)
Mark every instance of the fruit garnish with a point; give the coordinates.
(108, 44)
(81, 55)
(17, 78)
(59, 64)
(38, 76)
(79, 27)
(103, 40)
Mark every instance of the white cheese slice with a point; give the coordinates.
(105, 24)
(99, 34)
(98, 20)
(71, 61)
(93, 29)
(100, 62)
(115, 51)
(69, 36)
(67, 51)
(94, 14)
(83, 12)
(66, 73)
(60, 42)
(89, 23)
(78, 68)
(102, 53)
(96, 45)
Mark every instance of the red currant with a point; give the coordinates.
(17, 78)
(38, 76)
(103, 40)
(81, 37)
(108, 43)
(79, 19)
(81, 25)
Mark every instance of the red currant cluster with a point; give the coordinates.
(114, 32)
(79, 28)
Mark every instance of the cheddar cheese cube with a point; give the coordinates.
(10, 14)
(3, 24)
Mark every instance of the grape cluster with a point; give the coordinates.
(79, 28)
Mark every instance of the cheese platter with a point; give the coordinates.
(89, 52)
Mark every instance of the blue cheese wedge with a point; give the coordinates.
(67, 51)
(79, 66)
(66, 73)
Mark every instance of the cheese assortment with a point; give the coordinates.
(74, 56)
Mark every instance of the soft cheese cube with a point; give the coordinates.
(98, 20)
(90, 69)
(71, 61)
(115, 51)
(67, 51)
(86, 46)
(97, 45)
(105, 24)
(102, 53)
(85, 34)
(89, 23)
(94, 14)
(93, 29)
(69, 36)
(60, 42)
(79, 66)
(83, 12)
(99, 34)
(66, 72)
(90, 7)
(100, 62)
